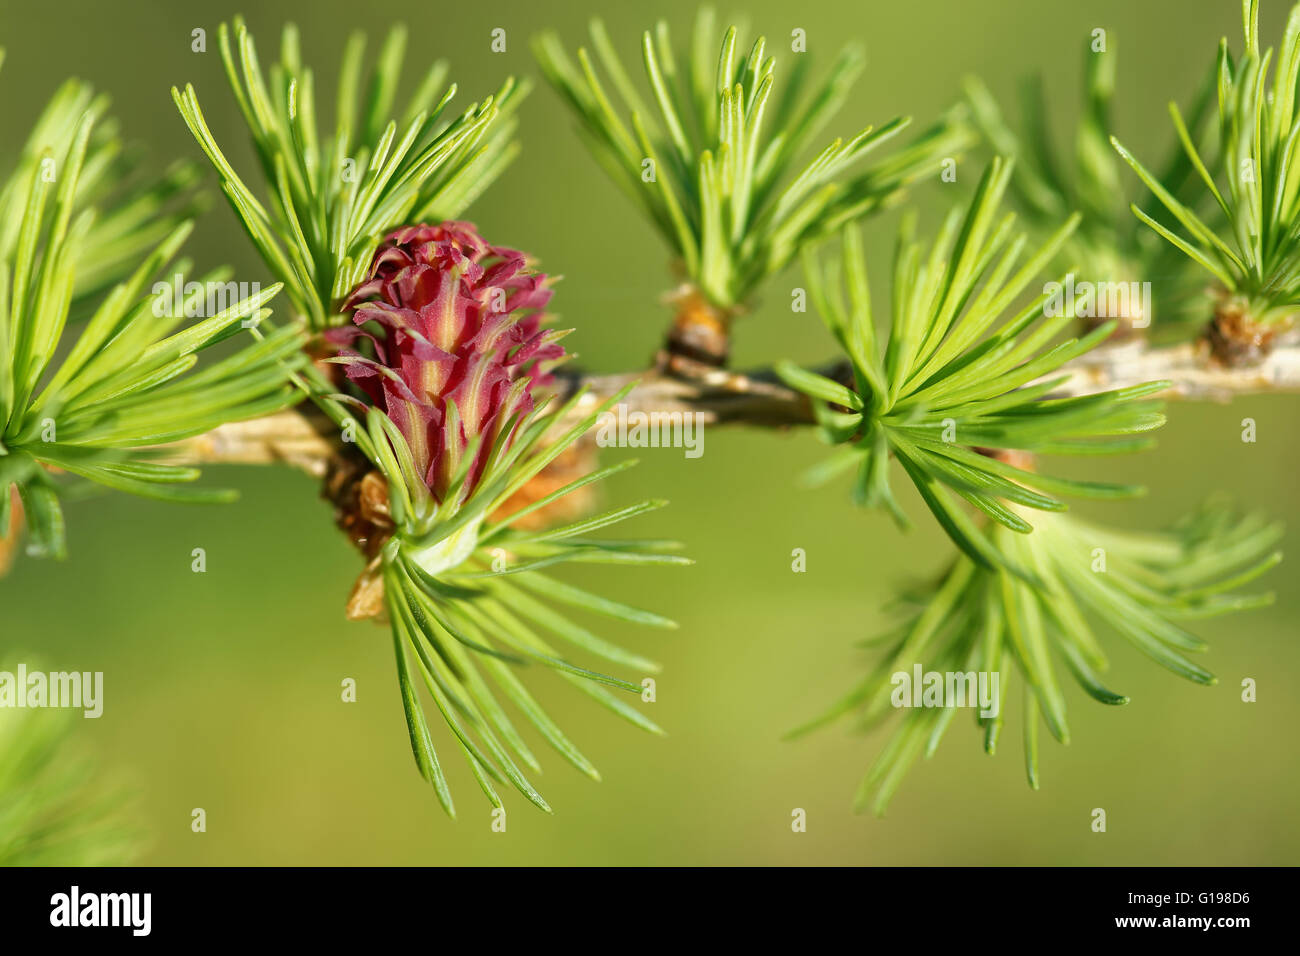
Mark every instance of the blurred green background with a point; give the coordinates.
(223, 688)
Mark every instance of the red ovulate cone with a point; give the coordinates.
(448, 318)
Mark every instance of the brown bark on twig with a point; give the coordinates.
(759, 399)
(699, 337)
(9, 541)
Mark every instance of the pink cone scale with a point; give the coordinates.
(444, 317)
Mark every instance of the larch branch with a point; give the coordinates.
(759, 399)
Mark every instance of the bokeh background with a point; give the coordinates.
(223, 688)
